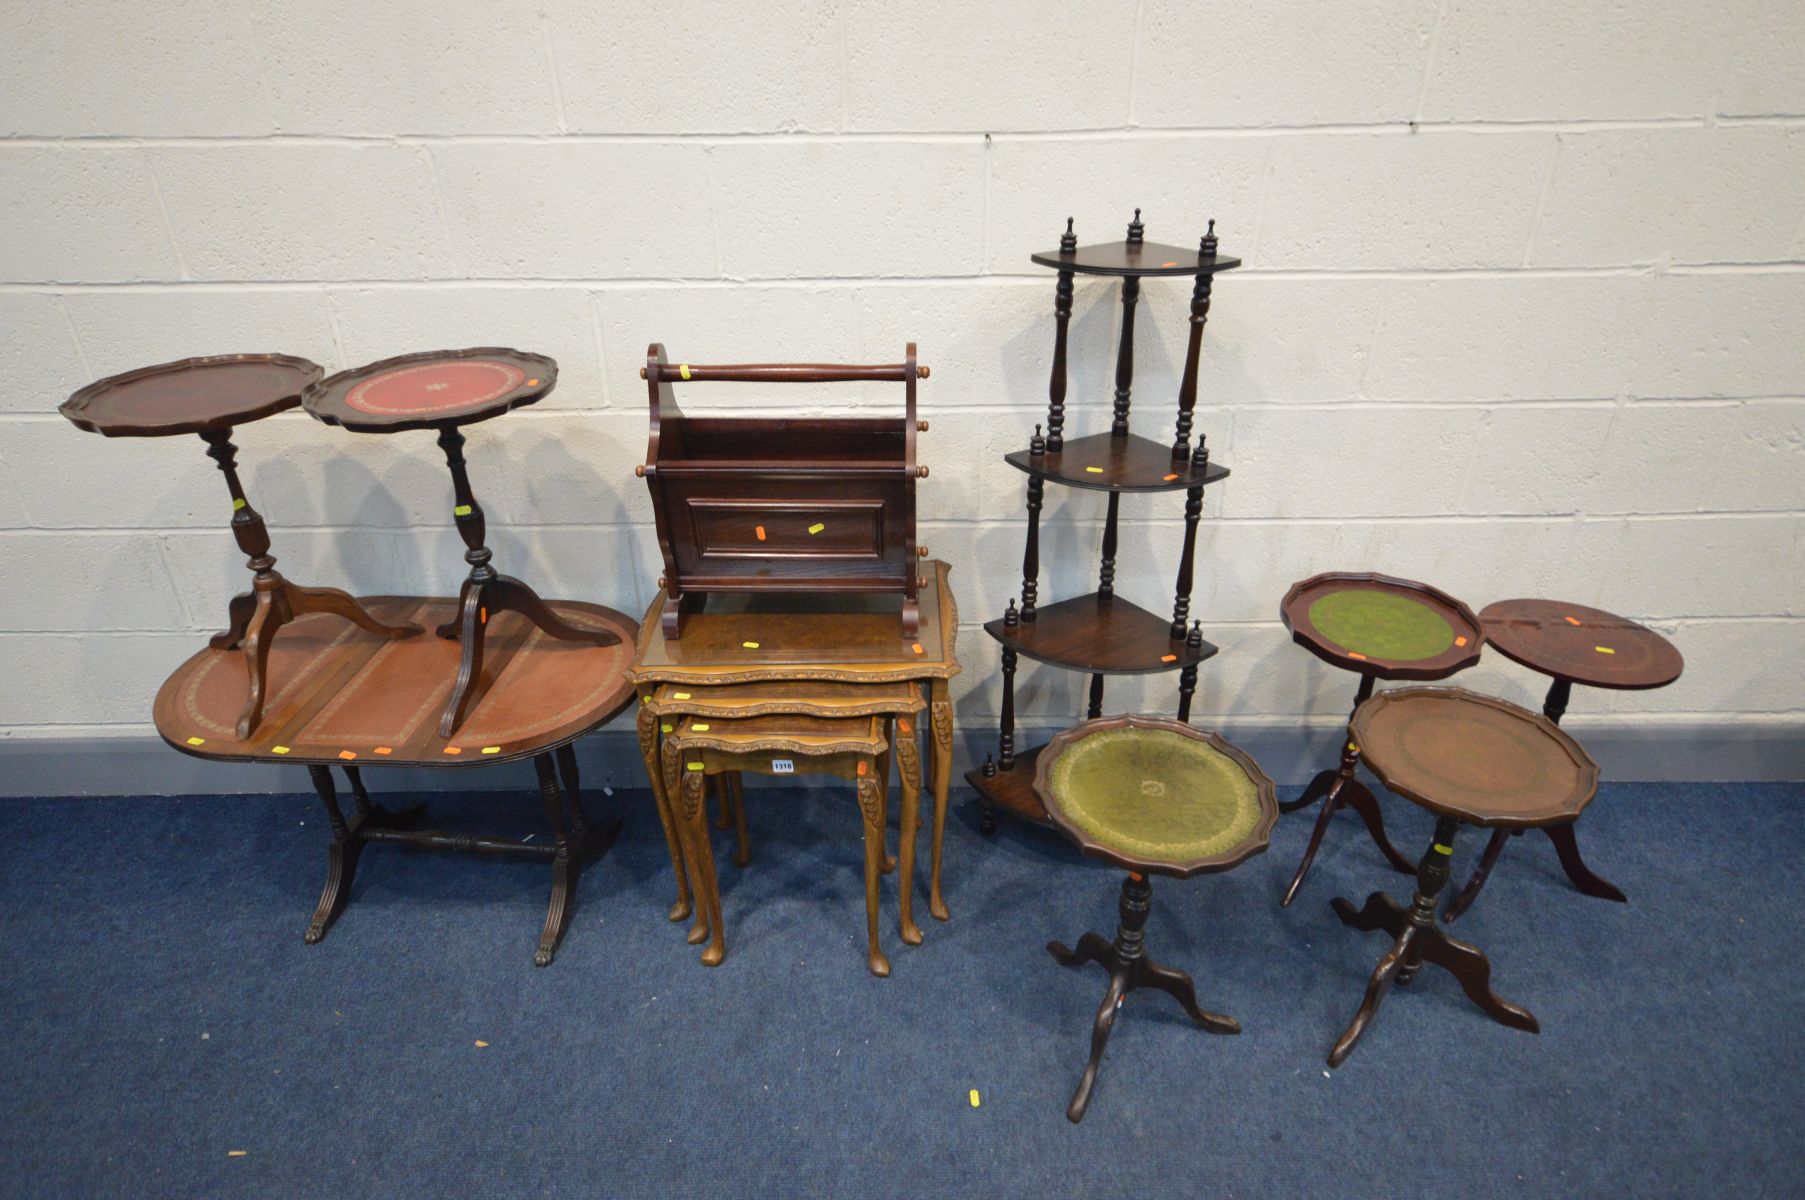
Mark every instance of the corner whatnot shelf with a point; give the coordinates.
(1099, 632)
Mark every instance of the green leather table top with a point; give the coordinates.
(1382, 624)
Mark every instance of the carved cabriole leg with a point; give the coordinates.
(1566, 846)
(1031, 555)
(341, 861)
(1131, 292)
(871, 808)
(742, 835)
(239, 611)
(564, 864)
(908, 765)
(649, 754)
(885, 860)
(473, 621)
(941, 719)
(262, 631)
(675, 779)
(701, 855)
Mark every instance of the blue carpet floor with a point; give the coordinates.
(162, 1012)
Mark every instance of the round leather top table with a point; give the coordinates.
(443, 390)
(209, 396)
(1468, 759)
(1571, 644)
(1380, 627)
(1150, 795)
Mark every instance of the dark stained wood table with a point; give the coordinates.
(1152, 796)
(209, 397)
(445, 390)
(342, 696)
(771, 639)
(1379, 627)
(1571, 644)
(1467, 759)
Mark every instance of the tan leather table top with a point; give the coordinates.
(337, 694)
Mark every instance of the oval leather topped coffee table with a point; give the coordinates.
(1571, 644)
(1379, 627)
(209, 396)
(444, 390)
(1468, 759)
(1150, 795)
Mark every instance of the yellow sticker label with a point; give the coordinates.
(974, 1097)
(695, 766)
(236, 1153)
(237, 504)
(683, 370)
(750, 645)
(701, 727)
(1604, 649)
(197, 741)
(278, 749)
(491, 749)
(817, 527)
(1441, 849)
(679, 695)
(462, 510)
(664, 729)
(1094, 470)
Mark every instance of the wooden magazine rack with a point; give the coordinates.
(783, 504)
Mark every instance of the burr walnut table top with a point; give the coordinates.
(338, 694)
(1476, 758)
(742, 637)
(1581, 645)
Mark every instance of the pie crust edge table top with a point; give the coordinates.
(1410, 737)
(333, 686)
(1410, 630)
(433, 389)
(192, 395)
(786, 641)
(1061, 754)
(1581, 645)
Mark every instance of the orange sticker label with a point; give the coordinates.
(1167, 478)
(916, 647)
(347, 755)
(1168, 658)
(532, 383)
(1170, 264)
(861, 768)
(483, 615)
(385, 749)
(902, 724)
(1571, 620)
(454, 750)
(760, 531)
(1460, 641)
(1356, 654)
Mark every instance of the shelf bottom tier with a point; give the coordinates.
(1013, 790)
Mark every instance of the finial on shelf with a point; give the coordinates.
(990, 767)
(1194, 639)
(1012, 618)
(1207, 247)
(1200, 457)
(1037, 445)
(1068, 241)
(1135, 229)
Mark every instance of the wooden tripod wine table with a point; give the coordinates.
(209, 396)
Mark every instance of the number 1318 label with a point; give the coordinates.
(783, 766)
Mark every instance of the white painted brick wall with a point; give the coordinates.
(1523, 310)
